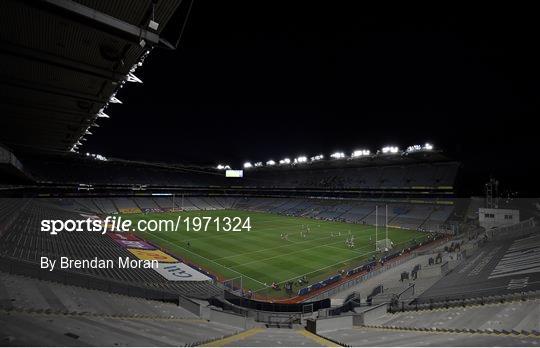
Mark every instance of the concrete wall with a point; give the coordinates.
(408, 293)
(430, 271)
(330, 324)
(491, 218)
(369, 315)
(231, 319)
(190, 305)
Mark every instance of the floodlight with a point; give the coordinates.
(248, 165)
(390, 149)
(285, 161)
(337, 155)
(317, 158)
(415, 148)
(102, 114)
(132, 78)
(115, 100)
(258, 164)
(300, 159)
(271, 163)
(360, 153)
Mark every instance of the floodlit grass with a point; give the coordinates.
(261, 256)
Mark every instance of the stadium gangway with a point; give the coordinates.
(357, 280)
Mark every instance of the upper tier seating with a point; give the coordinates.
(361, 176)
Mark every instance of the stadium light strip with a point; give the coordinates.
(130, 77)
(356, 154)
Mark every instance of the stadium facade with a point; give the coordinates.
(313, 271)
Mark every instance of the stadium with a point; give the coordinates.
(372, 246)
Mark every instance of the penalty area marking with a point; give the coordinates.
(207, 259)
(320, 269)
(265, 286)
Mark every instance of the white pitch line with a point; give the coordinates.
(330, 245)
(230, 269)
(278, 247)
(317, 270)
(258, 230)
(320, 269)
(255, 280)
(226, 234)
(294, 252)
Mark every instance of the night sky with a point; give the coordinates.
(259, 81)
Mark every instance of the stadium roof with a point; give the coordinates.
(62, 60)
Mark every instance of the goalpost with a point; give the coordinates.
(384, 244)
(234, 285)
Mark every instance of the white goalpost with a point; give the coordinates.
(386, 243)
(234, 284)
(376, 225)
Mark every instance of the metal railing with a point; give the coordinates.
(355, 281)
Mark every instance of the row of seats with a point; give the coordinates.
(406, 176)
(404, 215)
(21, 292)
(27, 330)
(23, 240)
(410, 216)
(83, 170)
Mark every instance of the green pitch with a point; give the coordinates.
(261, 256)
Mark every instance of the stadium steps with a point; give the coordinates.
(97, 206)
(76, 330)
(345, 211)
(396, 217)
(373, 337)
(193, 202)
(474, 301)
(105, 205)
(371, 211)
(519, 333)
(211, 202)
(273, 337)
(510, 316)
(137, 204)
(10, 210)
(279, 206)
(115, 205)
(156, 202)
(427, 218)
(89, 205)
(25, 294)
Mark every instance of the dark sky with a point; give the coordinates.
(267, 80)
